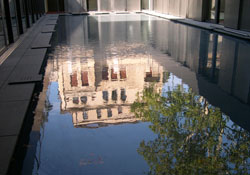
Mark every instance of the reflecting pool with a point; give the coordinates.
(136, 94)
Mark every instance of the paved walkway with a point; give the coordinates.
(19, 74)
(209, 26)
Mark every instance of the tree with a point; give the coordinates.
(193, 137)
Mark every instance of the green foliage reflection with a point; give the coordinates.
(193, 137)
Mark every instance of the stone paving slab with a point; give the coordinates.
(42, 41)
(20, 92)
(7, 145)
(22, 66)
(31, 60)
(26, 79)
(15, 112)
(48, 29)
(35, 52)
(21, 71)
(5, 72)
(49, 22)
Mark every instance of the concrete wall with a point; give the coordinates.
(133, 5)
(184, 8)
(194, 10)
(104, 5)
(232, 10)
(165, 6)
(244, 22)
(119, 5)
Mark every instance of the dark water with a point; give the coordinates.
(134, 94)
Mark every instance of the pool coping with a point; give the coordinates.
(204, 25)
(20, 71)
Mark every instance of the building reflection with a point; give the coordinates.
(100, 92)
(214, 66)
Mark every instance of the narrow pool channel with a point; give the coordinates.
(136, 94)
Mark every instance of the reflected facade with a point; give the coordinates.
(100, 100)
(100, 92)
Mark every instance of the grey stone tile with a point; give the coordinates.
(26, 79)
(32, 59)
(49, 22)
(25, 44)
(11, 61)
(18, 52)
(48, 28)
(35, 52)
(12, 115)
(42, 41)
(18, 92)
(5, 72)
(25, 71)
(7, 147)
(52, 15)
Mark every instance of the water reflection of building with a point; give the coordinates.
(100, 92)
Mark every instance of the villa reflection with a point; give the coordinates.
(100, 92)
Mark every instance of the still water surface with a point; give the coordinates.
(135, 94)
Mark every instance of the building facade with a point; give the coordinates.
(230, 13)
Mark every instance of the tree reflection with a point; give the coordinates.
(193, 137)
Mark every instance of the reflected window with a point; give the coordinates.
(84, 99)
(113, 74)
(85, 80)
(85, 115)
(119, 110)
(123, 95)
(105, 73)
(222, 12)
(149, 74)
(73, 80)
(123, 74)
(105, 95)
(166, 76)
(75, 100)
(114, 95)
(210, 65)
(99, 113)
(109, 112)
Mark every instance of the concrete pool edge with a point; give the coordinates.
(25, 61)
(204, 25)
